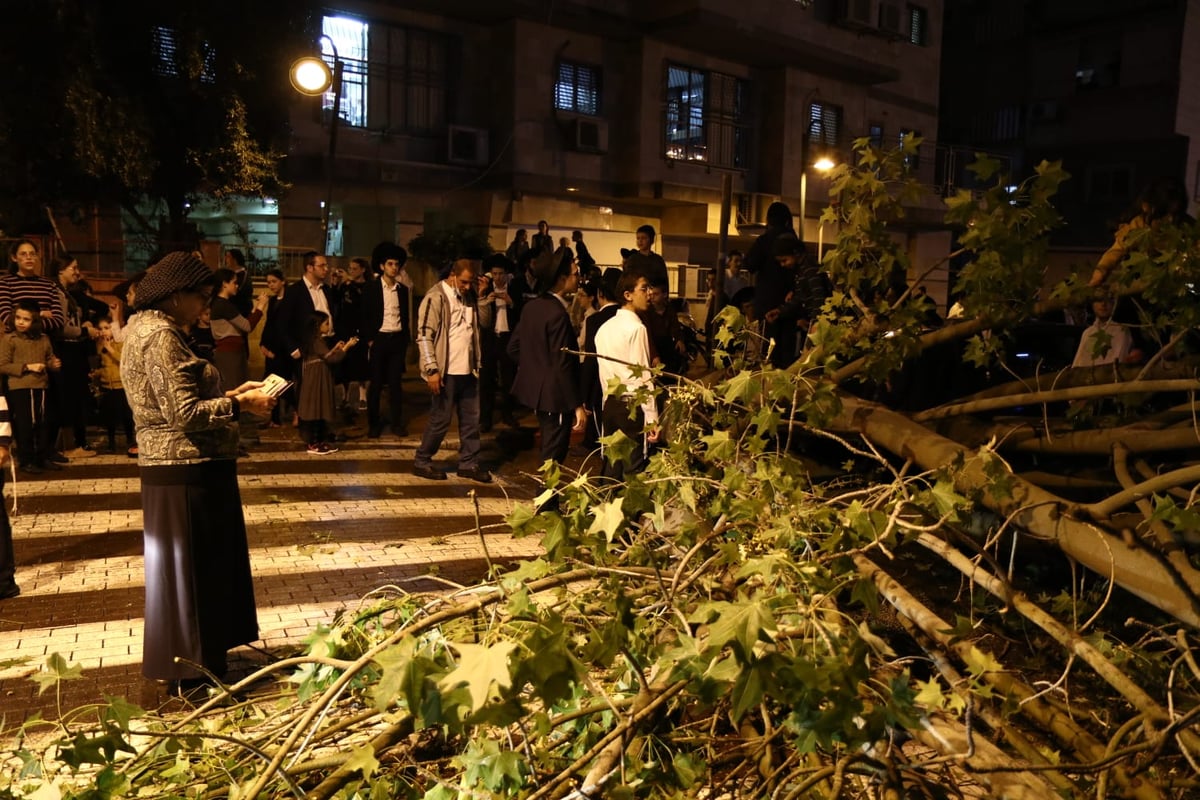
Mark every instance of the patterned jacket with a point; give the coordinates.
(181, 414)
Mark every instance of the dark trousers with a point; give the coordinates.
(496, 372)
(71, 391)
(616, 418)
(8, 561)
(461, 391)
(30, 428)
(388, 354)
(556, 435)
(314, 431)
(114, 410)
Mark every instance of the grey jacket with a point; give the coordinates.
(182, 416)
(433, 330)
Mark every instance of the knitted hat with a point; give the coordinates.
(176, 272)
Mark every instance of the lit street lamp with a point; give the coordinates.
(822, 164)
(312, 77)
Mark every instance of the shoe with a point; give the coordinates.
(401, 431)
(50, 465)
(87, 447)
(476, 474)
(11, 591)
(430, 473)
(329, 447)
(318, 449)
(132, 452)
(34, 469)
(57, 458)
(80, 452)
(374, 432)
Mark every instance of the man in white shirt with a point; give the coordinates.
(384, 326)
(447, 329)
(620, 342)
(302, 298)
(1105, 341)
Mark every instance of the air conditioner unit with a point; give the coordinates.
(589, 135)
(466, 145)
(856, 13)
(891, 19)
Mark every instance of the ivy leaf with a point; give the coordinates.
(527, 570)
(609, 518)
(479, 666)
(363, 759)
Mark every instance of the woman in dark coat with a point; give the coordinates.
(199, 593)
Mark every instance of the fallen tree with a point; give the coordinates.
(808, 593)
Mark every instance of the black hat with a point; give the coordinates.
(175, 272)
(626, 252)
(497, 260)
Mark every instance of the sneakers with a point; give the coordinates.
(429, 473)
(132, 452)
(475, 474)
(321, 449)
(83, 451)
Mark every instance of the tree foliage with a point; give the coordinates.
(806, 594)
(123, 101)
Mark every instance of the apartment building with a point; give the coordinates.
(1111, 88)
(602, 115)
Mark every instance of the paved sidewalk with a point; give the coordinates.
(324, 533)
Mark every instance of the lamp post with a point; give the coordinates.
(312, 77)
(822, 164)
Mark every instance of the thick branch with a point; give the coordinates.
(1057, 396)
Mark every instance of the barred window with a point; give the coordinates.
(917, 21)
(577, 88)
(825, 125)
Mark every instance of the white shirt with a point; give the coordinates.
(624, 338)
(1119, 345)
(391, 308)
(318, 297)
(462, 336)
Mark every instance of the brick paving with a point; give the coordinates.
(324, 532)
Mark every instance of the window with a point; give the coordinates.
(577, 88)
(1110, 182)
(917, 21)
(393, 78)
(165, 42)
(875, 134)
(913, 161)
(825, 125)
(706, 117)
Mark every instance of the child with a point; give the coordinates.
(114, 407)
(317, 408)
(25, 357)
(200, 337)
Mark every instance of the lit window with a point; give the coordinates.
(577, 88)
(706, 118)
(917, 21)
(912, 161)
(350, 38)
(875, 135)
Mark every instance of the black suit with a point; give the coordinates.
(388, 354)
(294, 311)
(547, 378)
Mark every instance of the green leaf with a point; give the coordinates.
(363, 759)
(979, 662)
(618, 448)
(931, 695)
(394, 663)
(748, 692)
(479, 667)
(743, 624)
(609, 519)
(56, 671)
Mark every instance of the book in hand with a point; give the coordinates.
(275, 385)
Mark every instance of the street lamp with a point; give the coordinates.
(822, 164)
(312, 77)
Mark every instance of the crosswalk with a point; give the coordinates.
(324, 534)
